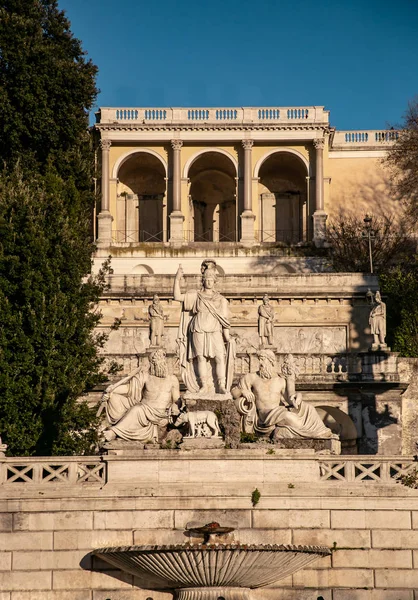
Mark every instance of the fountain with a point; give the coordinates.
(211, 570)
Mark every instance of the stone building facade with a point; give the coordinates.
(250, 175)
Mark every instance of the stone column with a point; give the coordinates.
(176, 217)
(319, 216)
(247, 216)
(104, 233)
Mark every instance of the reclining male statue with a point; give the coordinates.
(142, 401)
(268, 403)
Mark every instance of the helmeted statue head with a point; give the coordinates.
(377, 297)
(209, 271)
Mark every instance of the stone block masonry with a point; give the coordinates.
(48, 530)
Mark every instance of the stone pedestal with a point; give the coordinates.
(104, 229)
(202, 443)
(176, 228)
(323, 446)
(247, 228)
(120, 447)
(379, 366)
(224, 408)
(319, 228)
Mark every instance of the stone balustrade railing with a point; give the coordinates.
(347, 139)
(79, 470)
(217, 115)
(291, 286)
(358, 469)
(70, 470)
(314, 366)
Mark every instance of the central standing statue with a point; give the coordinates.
(204, 339)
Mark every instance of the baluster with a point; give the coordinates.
(349, 471)
(37, 470)
(72, 472)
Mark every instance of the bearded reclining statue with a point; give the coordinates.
(269, 405)
(141, 402)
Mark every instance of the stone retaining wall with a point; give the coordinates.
(48, 528)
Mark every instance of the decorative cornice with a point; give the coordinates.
(247, 144)
(176, 144)
(105, 144)
(212, 127)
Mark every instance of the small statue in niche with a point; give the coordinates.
(266, 322)
(202, 423)
(142, 401)
(156, 321)
(377, 321)
(270, 406)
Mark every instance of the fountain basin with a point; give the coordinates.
(210, 571)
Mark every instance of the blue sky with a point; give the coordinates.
(358, 58)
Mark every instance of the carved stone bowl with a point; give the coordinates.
(206, 571)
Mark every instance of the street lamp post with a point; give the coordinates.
(370, 235)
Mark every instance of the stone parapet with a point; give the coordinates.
(353, 505)
(302, 285)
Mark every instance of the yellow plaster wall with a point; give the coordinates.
(360, 186)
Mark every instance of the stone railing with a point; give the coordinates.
(385, 469)
(291, 286)
(68, 470)
(78, 470)
(348, 139)
(217, 115)
(335, 367)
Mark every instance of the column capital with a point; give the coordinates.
(176, 144)
(247, 144)
(105, 144)
(319, 143)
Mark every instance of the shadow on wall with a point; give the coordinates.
(363, 190)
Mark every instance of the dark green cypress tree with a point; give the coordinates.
(48, 348)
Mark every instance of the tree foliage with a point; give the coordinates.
(394, 260)
(391, 243)
(402, 160)
(47, 88)
(49, 353)
(400, 285)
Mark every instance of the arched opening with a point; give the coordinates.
(213, 198)
(283, 198)
(140, 214)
